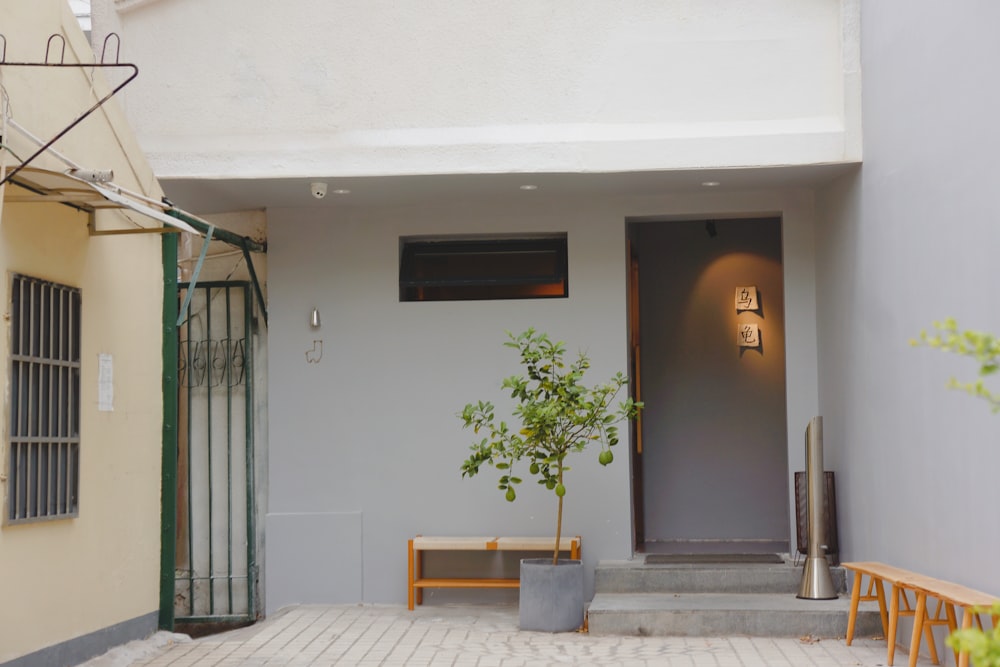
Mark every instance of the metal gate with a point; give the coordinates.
(215, 570)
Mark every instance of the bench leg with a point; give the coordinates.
(918, 628)
(893, 623)
(880, 596)
(963, 658)
(418, 563)
(949, 610)
(929, 632)
(852, 616)
(409, 575)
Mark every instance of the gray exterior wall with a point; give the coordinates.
(910, 238)
(364, 444)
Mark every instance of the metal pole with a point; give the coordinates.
(168, 485)
(817, 584)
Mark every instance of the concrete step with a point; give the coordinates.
(720, 615)
(738, 578)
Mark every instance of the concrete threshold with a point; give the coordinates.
(703, 601)
(723, 614)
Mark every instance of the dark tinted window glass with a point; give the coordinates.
(449, 270)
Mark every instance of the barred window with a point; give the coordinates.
(44, 421)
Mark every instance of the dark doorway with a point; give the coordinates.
(711, 464)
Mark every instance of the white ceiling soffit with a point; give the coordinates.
(205, 196)
(34, 185)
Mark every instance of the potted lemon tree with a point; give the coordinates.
(557, 415)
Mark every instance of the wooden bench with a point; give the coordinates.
(904, 582)
(416, 581)
(949, 595)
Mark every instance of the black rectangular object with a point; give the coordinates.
(802, 513)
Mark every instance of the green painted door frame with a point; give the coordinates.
(171, 310)
(168, 485)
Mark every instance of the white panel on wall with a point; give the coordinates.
(313, 557)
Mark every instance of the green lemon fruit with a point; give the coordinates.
(510, 494)
(606, 457)
(560, 490)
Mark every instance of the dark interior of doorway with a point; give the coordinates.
(683, 338)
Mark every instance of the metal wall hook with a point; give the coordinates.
(94, 107)
(118, 47)
(48, 46)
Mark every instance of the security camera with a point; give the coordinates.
(318, 190)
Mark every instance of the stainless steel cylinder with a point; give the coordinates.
(817, 583)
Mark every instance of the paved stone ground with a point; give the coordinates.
(479, 636)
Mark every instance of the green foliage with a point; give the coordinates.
(983, 347)
(558, 415)
(983, 645)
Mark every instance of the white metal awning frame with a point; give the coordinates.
(34, 185)
(91, 191)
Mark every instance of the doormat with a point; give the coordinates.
(669, 559)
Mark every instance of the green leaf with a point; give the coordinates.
(983, 347)
(555, 413)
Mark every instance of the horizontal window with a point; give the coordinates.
(476, 269)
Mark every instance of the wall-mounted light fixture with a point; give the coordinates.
(314, 320)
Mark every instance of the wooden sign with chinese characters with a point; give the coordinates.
(749, 335)
(746, 298)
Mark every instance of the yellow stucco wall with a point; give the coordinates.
(63, 579)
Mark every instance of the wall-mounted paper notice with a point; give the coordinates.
(105, 383)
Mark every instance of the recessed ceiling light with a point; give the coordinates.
(528, 186)
(341, 191)
(710, 184)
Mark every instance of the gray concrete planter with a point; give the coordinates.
(551, 598)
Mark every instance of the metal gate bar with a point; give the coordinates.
(214, 369)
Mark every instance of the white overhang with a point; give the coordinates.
(33, 185)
